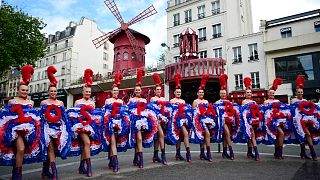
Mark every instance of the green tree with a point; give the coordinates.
(21, 41)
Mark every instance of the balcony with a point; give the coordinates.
(201, 16)
(216, 35)
(253, 58)
(59, 47)
(237, 61)
(202, 39)
(188, 19)
(215, 11)
(176, 23)
(176, 45)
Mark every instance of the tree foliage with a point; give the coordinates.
(21, 41)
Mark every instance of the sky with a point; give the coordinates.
(58, 13)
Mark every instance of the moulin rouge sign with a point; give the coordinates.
(195, 68)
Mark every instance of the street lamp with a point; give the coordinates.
(165, 45)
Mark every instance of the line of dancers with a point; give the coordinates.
(29, 135)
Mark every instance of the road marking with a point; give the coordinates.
(133, 169)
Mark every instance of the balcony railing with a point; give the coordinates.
(175, 44)
(201, 16)
(188, 19)
(254, 58)
(239, 87)
(215, 11)
(59, 47)
(237, 61)
(176, 23)
(216, 35)
(202, 39)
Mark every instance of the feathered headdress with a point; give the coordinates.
(247, 82)
(88, 77)
(140, 74)
(223, 81)
(300, 81)
(26, 73)
(177, 78)
(204, 80)
(117, 79)
(51, 70)
(156, 79)
(276, 83)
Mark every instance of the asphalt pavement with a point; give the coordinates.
(292, 167)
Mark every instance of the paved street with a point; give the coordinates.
(292, 167)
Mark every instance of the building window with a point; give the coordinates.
(253, 51)
(63, 83)
(37, 88)
(64, 56)
(216, 30)
(55, 47)
(289, 67)
(105, 66)
(201, 12)
(105, 56)
(48, 49)
(176, 40)
(176, 58)
(217, 53)
(47, 61)
(45, 86)
(202, 34)
(118, 56)
(45, 74)
(237, 55)
(125, 56)
(105, 46)
(238, 81)
(255, 80)
(66, 43)
(286, 32)
(215, 7)
(134, 56)
(176, 19)
(317, 26)
(177, 2)
(203, 54)
(63, 70)
(188, 16)
(39, 75)
(54, 59)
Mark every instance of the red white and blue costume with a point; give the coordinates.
(163, 110)
(57, 128)
(20, 120)
(205, 116)
(229, 113)
(145, 120)
(116, 122)
(278, 114)
(85, 119)
(306, 114)
(252, 122)
(182, 115)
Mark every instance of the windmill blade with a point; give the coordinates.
(114, 10)
(131, 38)
(102, 39)
(144, 14)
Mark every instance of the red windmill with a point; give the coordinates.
(129, 45)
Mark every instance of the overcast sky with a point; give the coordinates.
(57, 14)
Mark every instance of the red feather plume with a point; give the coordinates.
(26, 73)
(156, 79)
(140, 74)
(88, 77)
(117, 79)
(51, 70)
(204, 80)
(247, 82)
(177, 78)
(276, 83)
(300, 81)
(223, 81)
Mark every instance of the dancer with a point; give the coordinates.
(181, 121)
(56, 128)
(144, 121)
(252, 121)
(305, 123)
(159, 104)
(116, 125)
(20, 129)
(85, 125)
(278, 127)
